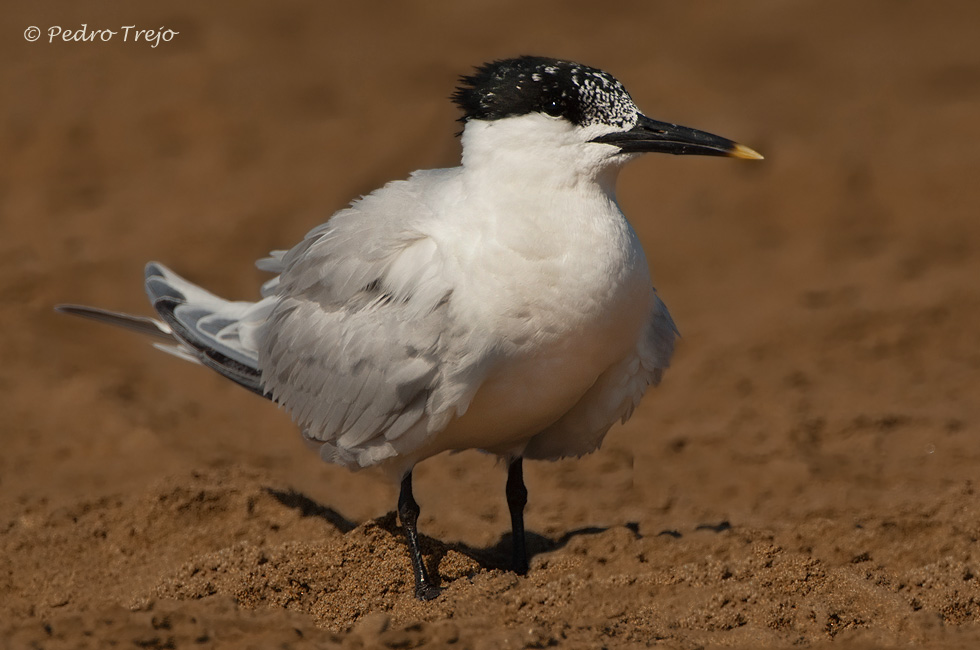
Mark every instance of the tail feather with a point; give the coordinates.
(196, 325)
(206, 324)
(139, 324)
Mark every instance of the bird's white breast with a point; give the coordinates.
(558, 283)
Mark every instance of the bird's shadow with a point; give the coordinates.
(495, 557)
(499, 556)
(307, 507)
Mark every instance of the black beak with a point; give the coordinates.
(653, 136)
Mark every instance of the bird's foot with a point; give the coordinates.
(427, 591)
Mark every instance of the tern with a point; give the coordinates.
(503, 305)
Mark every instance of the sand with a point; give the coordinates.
(804, 477)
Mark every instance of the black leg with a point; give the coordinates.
(516, 500)
(408, 513)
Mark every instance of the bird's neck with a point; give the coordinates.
(536, 156)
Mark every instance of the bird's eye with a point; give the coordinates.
(552, 107)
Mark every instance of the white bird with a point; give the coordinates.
(503, 305)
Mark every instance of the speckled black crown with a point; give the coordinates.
(535, 84)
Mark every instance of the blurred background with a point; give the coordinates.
(827, 297)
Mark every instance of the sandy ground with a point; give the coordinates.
(805, 476)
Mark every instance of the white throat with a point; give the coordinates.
(539, 153)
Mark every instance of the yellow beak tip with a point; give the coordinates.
(741, 151)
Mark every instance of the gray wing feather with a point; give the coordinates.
(271, 264)
(355, 346)
(355, 379)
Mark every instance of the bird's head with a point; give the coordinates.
(536, 109)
